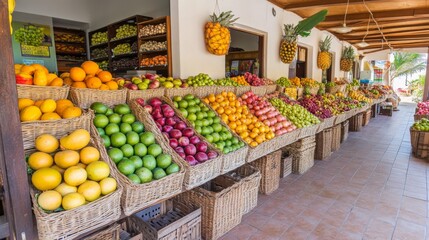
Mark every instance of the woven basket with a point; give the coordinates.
(241, 90)
(269, 166)
(194, 175)
(84, 97)
(75, 222)
(302, 143)
(314, 90)
(340, 118)
(225, 89)
(344, 130)
(270, 88)
(110, 233)
(259, 151)
(221, 202)
(249, 178)
(138, 196)
(309, 131)
(171, 92)
(231, 160)
(329, 122)
(336, 137)
(173, 220)
(146, 94)
(355, 123)
(285, 165)
(300, 91)
(323, 144)
(334, 89)
(259, 90)
(283, 140)
(366, 117)
(303, 156)
(419, 143)
(42, 92)
(204, 91)
(419, 117)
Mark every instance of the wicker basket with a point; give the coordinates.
(419, 143)
(329, 122)
(334, 89)
(323, 144)
(241, 90)
(249, 178)
(341, 118)
(355, 123)
(194, 175)
(84, 97)
(146, 94)
(366, 117)
(138, 196)
(270, 88)
(336, 137)
(283, 140)
(110, 233)
(172, 220)
(231, 160)
(344, 131)
(221, 202)
(225, 89)
(309, 131)
(204, 91)
(269, 166)
(300, 91)
(75, 222)
(314, 90)
(419, 117)
(285, 165)
(302, 153)
(259, 90)
(42, 92)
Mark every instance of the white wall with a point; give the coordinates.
(246, 41)
(105, 12)
(189, 50)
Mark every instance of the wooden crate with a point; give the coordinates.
(355, 123)
(269, 166)
(344, 131)
(366, 117)
(170, 220)
(336, 137)
(419, 143)
(323, 144)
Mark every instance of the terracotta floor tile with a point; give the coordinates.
(408, 230)
(344, 235)
(378, 229)
(295, 233)
(241, 232)
(273, 228)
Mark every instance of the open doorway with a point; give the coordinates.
(246, 54)
(298, 67)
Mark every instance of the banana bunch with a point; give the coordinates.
(357, 95)
(339, 94)
(11, 6)
(291, 93)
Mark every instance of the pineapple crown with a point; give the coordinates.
(224, 18)
(303, 28)
(348, 52)
(325, 45)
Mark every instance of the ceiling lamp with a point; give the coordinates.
(344, 28)
(363, 43)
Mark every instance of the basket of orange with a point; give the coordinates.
(34, 81)
(91, 84)
(72, 190)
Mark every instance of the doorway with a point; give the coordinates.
(246, 53)
(298, 67)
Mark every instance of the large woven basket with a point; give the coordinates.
(269, 166)
(138, 196)
(344, 131)
(241, 90)
(302, 157)
(340, 118)
(84, 97)
(204, 91)
(225, 89)
(323, 144)
(249, 178)
(309, 131)
(259, 90)
(334, 89)
(283, 140)
(285, 164)
(75, 222)
(231, 160)
(42, 92)
(194, 175)
(110, 233)
(329, 122)
(419, 143)
(336, 137)
(366, 117)
(221, 202)
(355, 123)
(270, 88)
(418, 117)
(145, 94)
(171, 92)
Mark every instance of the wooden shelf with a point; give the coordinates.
(154, 52)
(133, 54)
(71, 53)
(99, 59)
(64, 65)
(159, 36)
(72, 43)
(154, 68)
(124, 39)
(99, 45)
(69, 60)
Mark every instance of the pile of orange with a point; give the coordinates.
(68, 178)
(240, 80)
(89, 75)
(239, 118)
(47, 109)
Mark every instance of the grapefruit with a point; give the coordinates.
(46, 179)
(90, 67)
(98, 170)
(66, 158)
(77, 74)
(108, 185)
(73, 200)
(91, 190)
(75, 176)
(46, 143)
(65, 189)
(89, 154)
(49, 200)
(39, 160)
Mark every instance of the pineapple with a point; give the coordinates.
(346, 62)
(217, 35)
(324, 56)
(288, 45)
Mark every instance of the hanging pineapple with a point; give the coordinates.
(324, 56)
(217, 35)
(346, 62)
(288, 44)
(11, 8)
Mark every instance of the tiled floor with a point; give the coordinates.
(372, 188)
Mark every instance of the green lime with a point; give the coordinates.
(115, 154)
(140, 149)
(118, 139)
(128, 118)
(147, 138)
(217, 127)
(138, 162)
(109, 112)
(128, 150)
(125, 127)
(173, 168)
(183, 104)
(101, 131)
(133, 138)
(100, 121)
(137, 127)
(111, 128)
(154, 149)
(126, 166)
(122, 109)
(114, 118)
(163, 160)
(149, 162)
(158, 173)
(98, 107)
(106, 140)
(134, 178)
(144, 174)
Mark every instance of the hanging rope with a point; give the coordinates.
(217, 8)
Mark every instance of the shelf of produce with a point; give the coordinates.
(154, 67)
(70, 53)
(134, 37)
(73, 43)
(133, 54)
(154, 52)
(99, 45)
(70, 60)
(154, 37)
(99, 59)
(122, 69)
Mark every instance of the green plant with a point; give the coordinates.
(406, 64)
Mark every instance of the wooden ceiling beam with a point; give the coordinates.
(407, 36)
(400, 45)
(390, 30)
(385, 25)
(381, 15)
(390, 40)
(324, 4)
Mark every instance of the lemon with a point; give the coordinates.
(39, 160)
(73, 200)
(49, 200)
(98, 170)
(108, 185)
(46, 143)
(74, 176)
(24, 102)
(30, 113)
(48, 106)
(65, 189)
(91, 190)
(89, 154)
